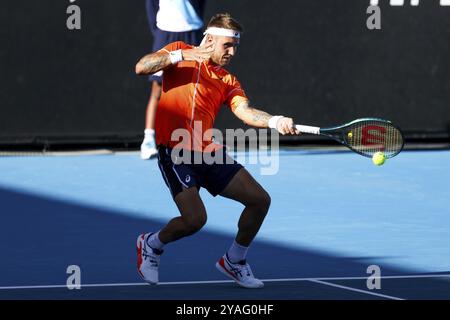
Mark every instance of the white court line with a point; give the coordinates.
(356, 290)
(223, 281)
(99, 285)
(412, 276)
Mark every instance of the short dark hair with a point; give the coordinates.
(224, 20)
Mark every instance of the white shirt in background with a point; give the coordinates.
(177, 16)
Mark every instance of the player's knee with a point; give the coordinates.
(263, 201)
(195, 224)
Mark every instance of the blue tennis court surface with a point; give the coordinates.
(333, 214)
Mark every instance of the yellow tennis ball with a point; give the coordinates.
(350, 135)
(378, 158)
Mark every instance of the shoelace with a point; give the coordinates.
(238, 270)
(246, 268)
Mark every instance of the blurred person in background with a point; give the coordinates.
(169, 21)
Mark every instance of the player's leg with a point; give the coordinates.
(148, 146)
(244, 188)
(192, 216)
(150, 246)
(155, 95)
(182, 181)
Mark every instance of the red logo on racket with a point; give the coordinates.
(373, 136)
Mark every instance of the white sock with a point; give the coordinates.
(154, 242)
(149, 134)
(237, 252)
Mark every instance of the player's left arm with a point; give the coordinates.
(261, 119)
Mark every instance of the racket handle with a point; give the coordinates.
(307, 129)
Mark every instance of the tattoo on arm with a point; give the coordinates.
(154, 63)
(252, 116)
(260, 118)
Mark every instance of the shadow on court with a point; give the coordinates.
(41, 237)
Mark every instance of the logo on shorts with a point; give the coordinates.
(187, 179)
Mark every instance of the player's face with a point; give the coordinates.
(224, 49)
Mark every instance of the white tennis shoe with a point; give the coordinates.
(239, 272)
(147, 260)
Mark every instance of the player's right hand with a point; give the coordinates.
(286, 125)
(198, 54)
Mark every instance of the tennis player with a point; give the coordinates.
(195, 86)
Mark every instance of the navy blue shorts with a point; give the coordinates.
(213, 177)
(162, 38)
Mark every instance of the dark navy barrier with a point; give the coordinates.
(313, 60)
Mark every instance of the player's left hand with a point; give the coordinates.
(199, 54)
(286, 125)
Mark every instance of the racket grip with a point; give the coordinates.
(307, 129)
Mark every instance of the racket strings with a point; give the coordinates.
(370, 137)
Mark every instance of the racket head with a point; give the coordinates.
(369, 135)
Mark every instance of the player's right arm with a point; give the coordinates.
(160, 60)
(153, 62)
(261, 119)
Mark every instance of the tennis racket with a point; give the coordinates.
(364, 136)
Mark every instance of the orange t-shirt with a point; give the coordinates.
(192, 94)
